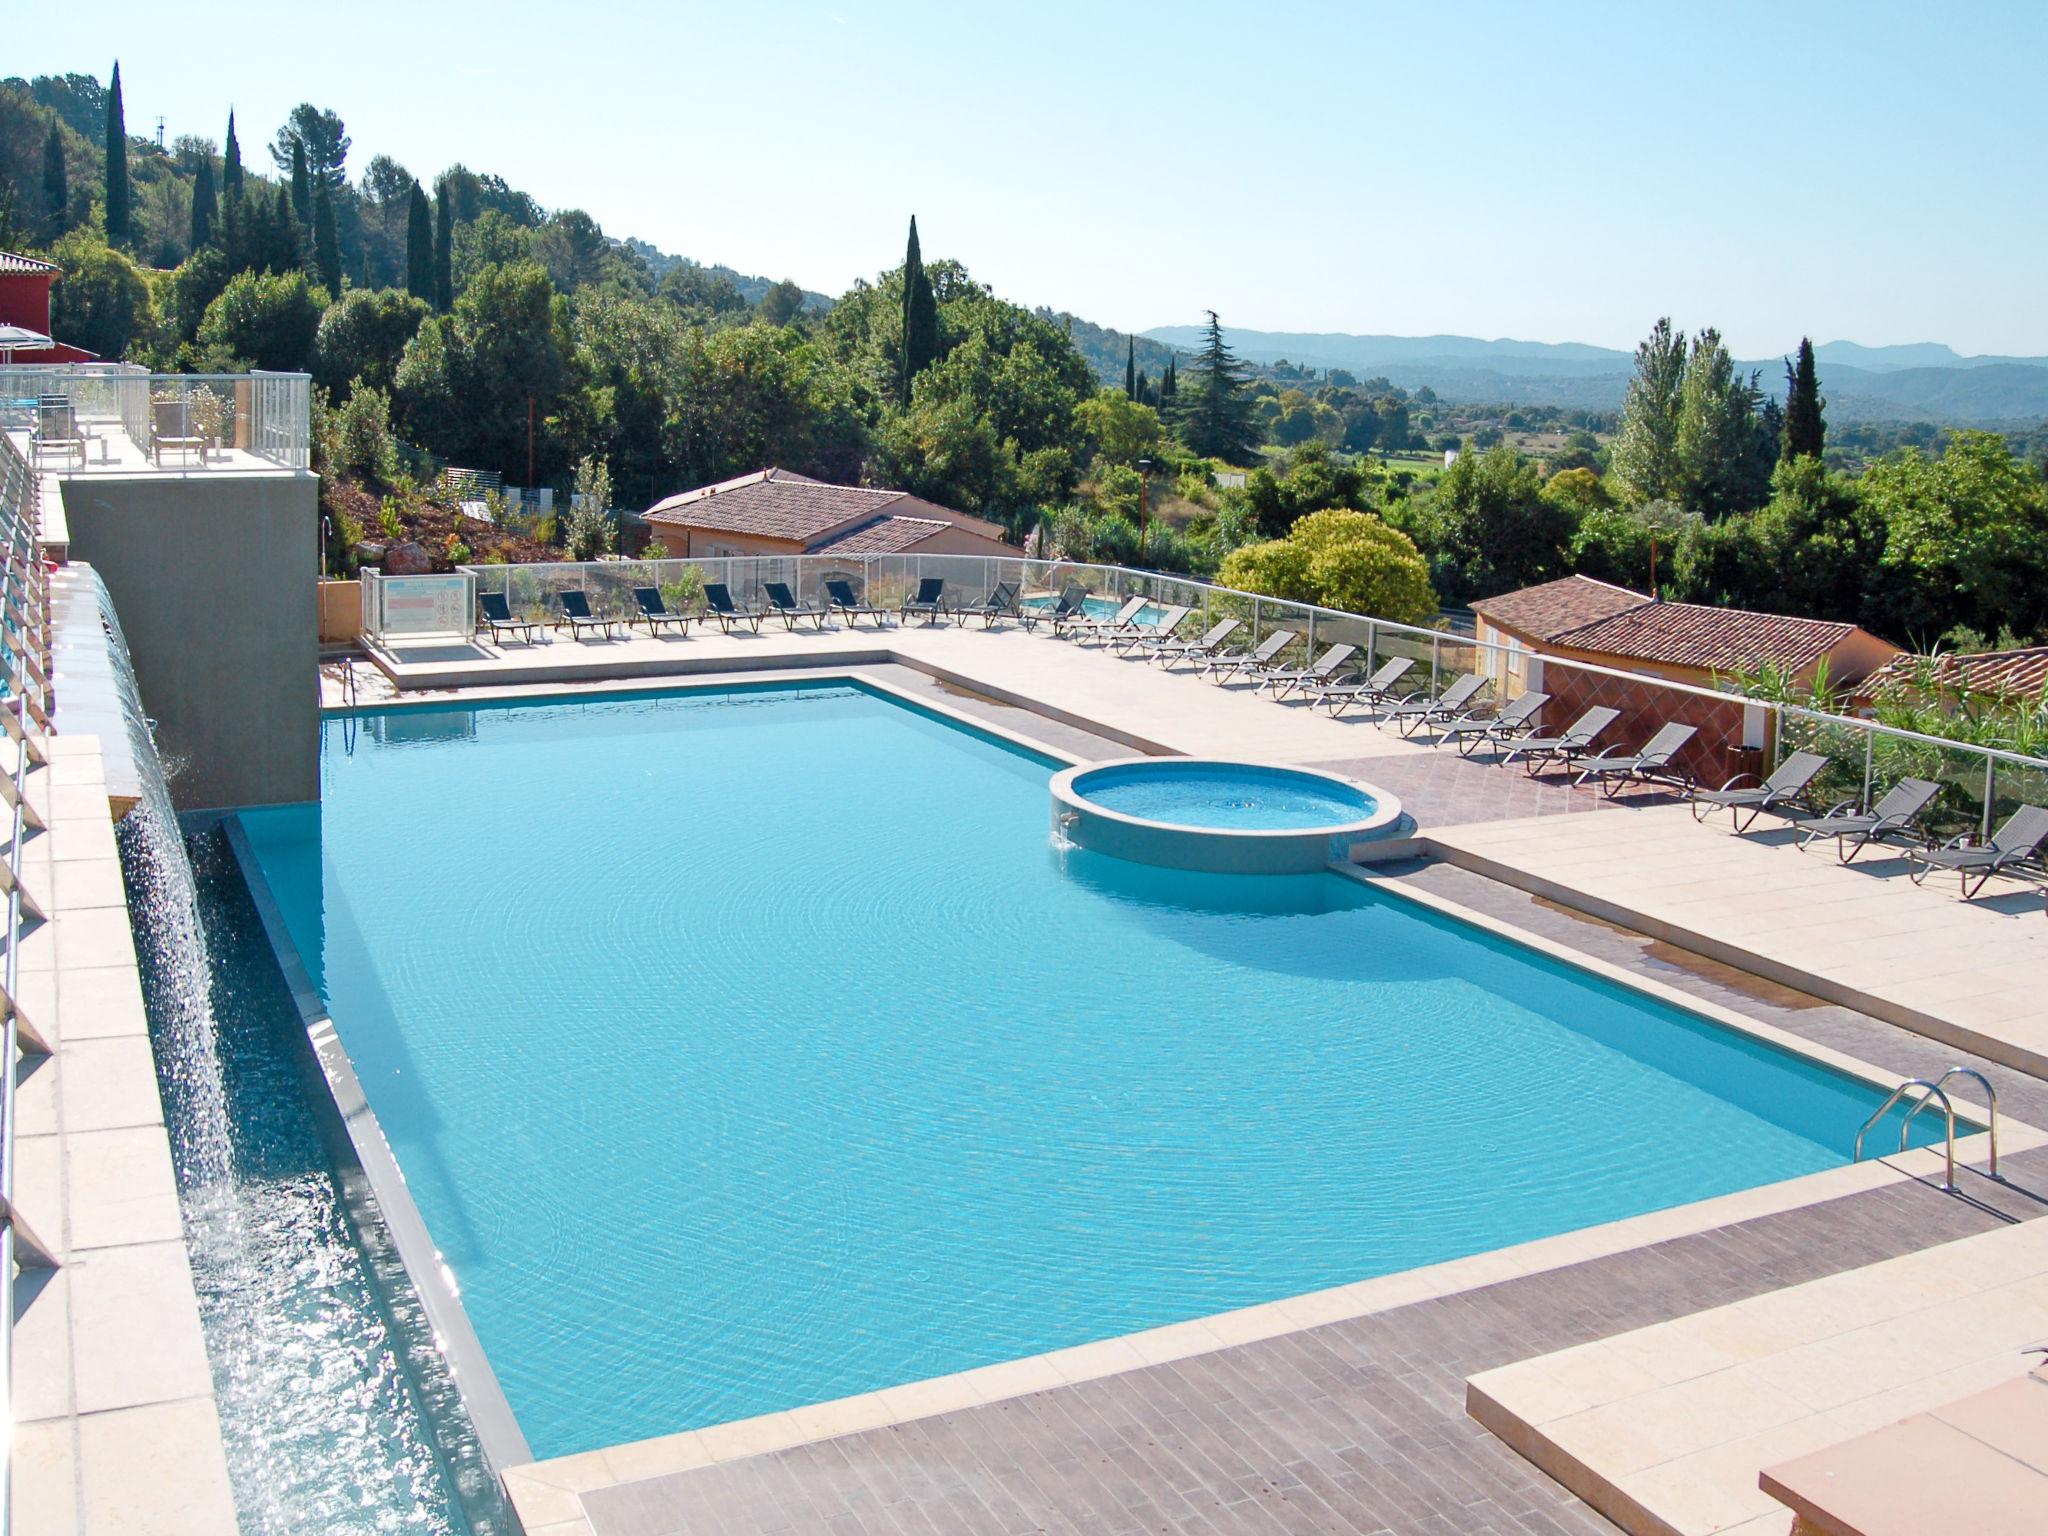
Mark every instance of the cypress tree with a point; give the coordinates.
(419, 247)
(1144, 395)
(302, 186)
(281, 249)
(1130, 367)
(56, 184)
(205, 205)
(920, 314)
(231, 164)
(444, 249)
(1805, 432)
(326, 244)
(117, 164)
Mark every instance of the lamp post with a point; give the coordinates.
(1144, 480)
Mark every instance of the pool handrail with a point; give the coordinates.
(1930, 1090)
(1990, 1099)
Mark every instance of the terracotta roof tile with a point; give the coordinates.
(1544, 612)
(772, 504)
(2006, 674)
(883, 536)
(1696, 635)
(15, 264)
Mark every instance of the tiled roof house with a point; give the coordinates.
(776, 512)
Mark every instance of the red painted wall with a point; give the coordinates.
(25, 301)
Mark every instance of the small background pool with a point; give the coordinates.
(752, 1049)
(1239, 798)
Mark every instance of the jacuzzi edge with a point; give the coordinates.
(490, 1413)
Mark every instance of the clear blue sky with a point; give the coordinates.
(1873, 171)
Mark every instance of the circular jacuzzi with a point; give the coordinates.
(1217, 815)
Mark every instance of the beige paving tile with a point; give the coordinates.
(541, 1504)
(44, 1474)
(653, 1458)
(135, 1327)
(89, 883)
(93, 936)
(97, 1001)
(42, 1344)
(155, 1471)
(107, 1084)
(123, 1188)
(85, 837)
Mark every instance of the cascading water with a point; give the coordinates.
(319, 1371)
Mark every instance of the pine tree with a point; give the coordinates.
(56, 185)
(1216, 412)
(205, 205)
(444, 249)
(117, 164)
(1805, 428)
(231, 165)
(1130, 367)
(326, 245)
(302, 184)
(419, 247)
(920, 315)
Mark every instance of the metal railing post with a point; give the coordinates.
(1869, 765)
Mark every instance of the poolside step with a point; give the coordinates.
(1665, 1430)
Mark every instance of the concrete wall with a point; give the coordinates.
(213, 577)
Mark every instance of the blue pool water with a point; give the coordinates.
(1234, 798)
(756, 1048)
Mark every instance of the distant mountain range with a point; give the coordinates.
(1922, 381)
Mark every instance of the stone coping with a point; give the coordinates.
(115, 1428)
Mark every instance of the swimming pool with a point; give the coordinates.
(1233, 797)
(752, 1048)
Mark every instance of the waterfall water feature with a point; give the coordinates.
(317, 1361)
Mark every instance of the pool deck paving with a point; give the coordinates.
(1350, 1413)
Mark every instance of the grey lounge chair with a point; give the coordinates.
(1575, 742)
(1284, 680)
(650, 610)
(1001, 603)
(1414, 712)
(720, 606)
(494, 614)
(2016, 842)
(1471, 731)
(929, 600)
(1071, 603)
(1376, 690)
(577, 615)
(782, 604)
(1786, 786)
(1122, 621)
(1161, 628)
(839, 598)
(1896, 813)
(1204, 645)
(1654, 762)
(1225, 665)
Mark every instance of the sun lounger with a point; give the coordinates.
(1225, 665)
(1374, 691)
(1575, 742)
(1161, 628)
(577, 615)
(1071, 603)
(1896, 814)
(649, 609)
(1001, 603)
(1084, 627)
(1786, 786)
(2017, 842)
(1284, 680)
(1655, 762)
(839, 599)
(1207, 644)
(782, 604)
(494, 615)
(1411, 714)
(1473, 730)
(930, 600)
(720, 606)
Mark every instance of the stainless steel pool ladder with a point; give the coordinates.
(1932, 1091)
